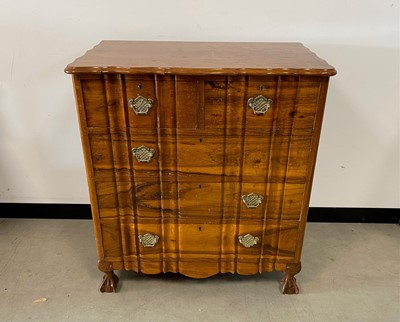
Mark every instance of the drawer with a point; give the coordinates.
(106, 100)
(254, 158)
(249, 103)
(220, 200)
(173, 245)
(140, 101)
(213, 200)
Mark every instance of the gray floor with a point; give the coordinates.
(350, 273)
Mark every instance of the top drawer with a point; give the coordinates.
(244, 103)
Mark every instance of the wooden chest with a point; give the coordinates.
(200, 156)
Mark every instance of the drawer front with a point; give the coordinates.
(155, 246)
(246, 103)
(276, 159)
(259, 104)
(213, 200)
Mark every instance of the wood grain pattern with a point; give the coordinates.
(207, 200)
(200, 241)
(201, 101)
(210, 149)
(206, 157)
(200, 58)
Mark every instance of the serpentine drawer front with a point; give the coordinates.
(200, 156)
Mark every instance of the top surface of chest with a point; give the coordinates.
(200, 58)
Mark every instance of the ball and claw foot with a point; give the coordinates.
(110, 283)
(288, 281)
(289, 285)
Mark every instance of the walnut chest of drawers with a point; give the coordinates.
(200, 156)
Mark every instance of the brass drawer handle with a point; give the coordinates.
(252, 200)
(259, 104)
(143, 153)
(141, 105)
(148, 240)
(248, 240)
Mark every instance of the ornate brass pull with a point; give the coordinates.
(148, 240)
(259, 104)
(248, 240)
(252, 200)
(141, 105)
(143, 153)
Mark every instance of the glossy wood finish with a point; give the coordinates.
(200, 58)
(110, 282)
(210, 149)
(288, 281)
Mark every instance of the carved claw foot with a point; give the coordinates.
(289, 285)
(110, 283)
(288, 282)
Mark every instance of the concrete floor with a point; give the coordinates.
(350, 273)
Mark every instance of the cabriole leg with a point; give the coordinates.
(288, 281)
(110, 283)
(110, 280)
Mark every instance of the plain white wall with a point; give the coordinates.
(40, 150)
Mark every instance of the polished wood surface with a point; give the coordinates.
(200, 58)
(183, 210)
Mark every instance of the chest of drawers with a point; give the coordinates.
(200, 156)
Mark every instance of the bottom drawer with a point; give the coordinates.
(198, 247)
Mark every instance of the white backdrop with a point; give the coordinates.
(40, 151)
